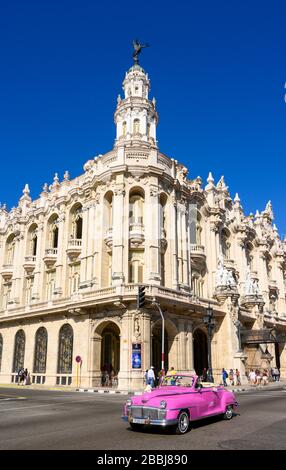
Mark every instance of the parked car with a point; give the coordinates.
(181, 399)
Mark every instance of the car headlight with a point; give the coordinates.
(128, 403)
(163, 404)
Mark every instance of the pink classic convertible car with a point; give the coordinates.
(180, 400)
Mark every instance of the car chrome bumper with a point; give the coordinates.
(153, 422)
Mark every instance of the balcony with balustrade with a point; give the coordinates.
(74, 248)
(7, 272)
(136, 231)
(197, 252)
(29, 264)
(50, 256)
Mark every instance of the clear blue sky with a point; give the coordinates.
(217, 70)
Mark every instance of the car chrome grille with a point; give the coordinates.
(145, 412)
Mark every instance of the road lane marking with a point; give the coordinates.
(42, 406)
(10, 397)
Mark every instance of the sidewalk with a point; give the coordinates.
(246, 388)
(113, 391)
(65, 388)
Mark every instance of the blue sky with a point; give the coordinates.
(217, 70)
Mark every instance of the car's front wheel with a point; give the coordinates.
(183, 423)
(228, 414)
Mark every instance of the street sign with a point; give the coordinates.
(78, 359)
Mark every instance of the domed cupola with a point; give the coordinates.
(135, 116)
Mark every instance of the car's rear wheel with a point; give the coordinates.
(228, 414)
(183, 422)
(135, 426)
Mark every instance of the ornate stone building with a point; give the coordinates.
(71, 262)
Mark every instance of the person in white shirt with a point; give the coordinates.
(151, 377)
(252, 377)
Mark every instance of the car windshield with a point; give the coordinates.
(178, 380)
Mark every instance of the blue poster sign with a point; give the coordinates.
(136, 356)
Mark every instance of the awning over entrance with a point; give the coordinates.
(257, 336)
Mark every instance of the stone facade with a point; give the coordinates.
(71, 262)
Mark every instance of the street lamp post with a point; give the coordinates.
(210, 323)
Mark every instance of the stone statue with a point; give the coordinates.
(137, 49)
(220, 272)
(251, 285)
(223, 276)
(248, 284)
(230, 281)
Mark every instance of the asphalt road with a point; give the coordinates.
(32, 419)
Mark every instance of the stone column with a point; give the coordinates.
(146, 340)
(39, 267)
(84, 248)
(90, 241)
(124, 375)
(212, 246)
(179, 245)
(118, 240)
(182, 362)
(17, 269)
(98, 235)
(189, 346)
(152, 243)
(263, 278)
(61, 257)
(174, 242)
(52, 358)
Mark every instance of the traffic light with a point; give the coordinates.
(141, 297)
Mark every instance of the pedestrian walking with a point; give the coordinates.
(224, 376)
(265, 377)
(258, 377)
(151, 377)
(146, 377)
(21, 376)
(275, 374)
(252, 378)
(231, 377)
(237, 375)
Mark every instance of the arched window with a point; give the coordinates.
(65, 350)
(41, 344)
(54, 232)
(10, 250)
(136, 126)
(136, 209)
(19, 351)
(124, 128)
(1, 349)
(34, 244)
(32, 241)
(77, 223)
(108, 212)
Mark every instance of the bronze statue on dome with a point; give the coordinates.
(137, 49)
